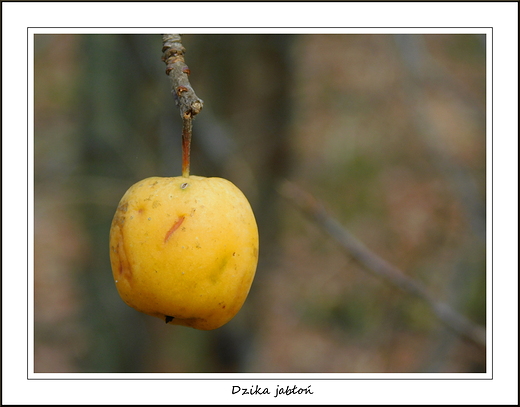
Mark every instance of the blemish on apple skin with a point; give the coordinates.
(125, 270)
(174, 227)
(123, 207)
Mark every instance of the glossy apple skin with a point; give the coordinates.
(184, 249)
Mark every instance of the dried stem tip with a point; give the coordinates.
(173, 56)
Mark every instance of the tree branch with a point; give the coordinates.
(173, 56)
(189, 103)
(378, 266)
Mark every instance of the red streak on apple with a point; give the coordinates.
(175, 226)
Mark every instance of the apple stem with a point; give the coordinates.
(186, 144)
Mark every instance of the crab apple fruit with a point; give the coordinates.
(184, 249)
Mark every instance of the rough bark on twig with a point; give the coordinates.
(189, 103)
(173, 56)
(381, 268)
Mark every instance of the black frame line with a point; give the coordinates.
(490, 213)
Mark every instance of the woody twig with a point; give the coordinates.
(189, 103)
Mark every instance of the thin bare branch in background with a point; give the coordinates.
(378, 266)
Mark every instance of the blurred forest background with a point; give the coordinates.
(387, 131)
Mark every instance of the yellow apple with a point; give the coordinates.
(184, 249)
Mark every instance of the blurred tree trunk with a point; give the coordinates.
(245, 81)
(113, 83)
